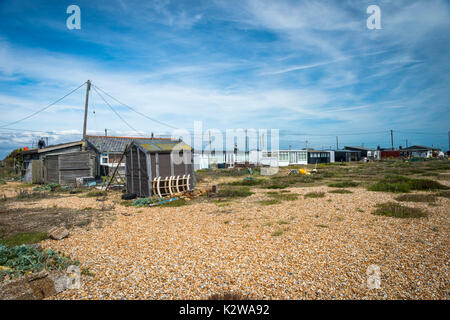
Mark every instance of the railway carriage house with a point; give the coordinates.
(159, 167)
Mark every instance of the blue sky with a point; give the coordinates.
(311, 69)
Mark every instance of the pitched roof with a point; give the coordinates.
(417, 147)
(53, 147)
(358, 148)
(118, 144)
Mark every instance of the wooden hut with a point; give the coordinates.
(159, 167)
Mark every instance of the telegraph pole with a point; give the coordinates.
(88, 87)
(407, 143)
(246, 146)
(392, 139)
(337, 143)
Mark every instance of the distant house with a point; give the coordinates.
(421, 151)
(292, 157)
(371, 154)
(320, 156)
(347, 155)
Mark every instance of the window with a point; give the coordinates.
(284, 156)
(301, 156)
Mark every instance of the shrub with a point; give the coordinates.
(248, 181)
(392, 209)
(417, 198)
(19, 260)
(390, 187)
(142, 202)
(282, 196)
(269, 202)
(424, 184)
(234, 192)
(315, 195)
(96, 193)
(340, 191)
(344, 184)
(174, 203)
(445, 194)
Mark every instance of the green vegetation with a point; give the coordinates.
(96, 193)
(24, 238)
(395, 183)
(18, 260)
(315, 195)
(142, 202)
(277, 233)
(392, 209)
(174, 203)
(343, 191)
(282, 196)
(247, 181)
(344, 184)
(269, 202)
(416, 198)
(232, 192)
(444, 194)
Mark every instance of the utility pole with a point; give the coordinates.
(88, 87)
(392, 139)
(449, 140)
(407, 143)
(337, 143)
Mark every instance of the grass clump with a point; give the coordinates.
(277, 233)
(315, 195)
(174, 203)
(19, 260)
(248, 181)
(395, 183)
(241, 192)
(282, 196)
(343, 191)
(392, 209)
(444, 194)
(416, 198)
(344, 184)
(24, 238)
(269, 202)
(96, 193)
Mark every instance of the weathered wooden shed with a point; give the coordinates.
(65, 168)
(159, 167)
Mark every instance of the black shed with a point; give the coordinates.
(159, 167)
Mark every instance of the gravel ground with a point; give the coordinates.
(324, 251)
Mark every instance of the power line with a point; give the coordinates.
(140, 113)
(115, 111)
(43, 109)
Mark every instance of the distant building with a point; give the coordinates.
(371, 154)
(421, 151)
